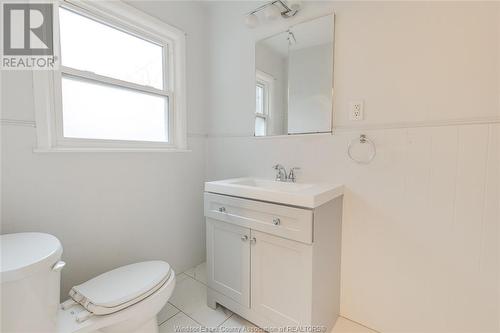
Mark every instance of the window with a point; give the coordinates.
(263, 98)
(260, 110)
(119, 76)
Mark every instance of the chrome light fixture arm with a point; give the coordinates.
(284, 8)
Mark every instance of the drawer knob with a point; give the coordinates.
(244, 238)
(222, 209)
(276, 221)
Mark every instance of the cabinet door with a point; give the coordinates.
(281, 279)
(228, 260)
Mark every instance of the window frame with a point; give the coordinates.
(264, 114)
(117, 15)
(266, 81)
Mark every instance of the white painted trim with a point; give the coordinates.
(413, 124)
(267, 81)
(16, 122)
(110, 150)
(107, 144)
(96, 78)
(179, 91)
(44, 99)
(131, 16)
(197, 135)
(47, 84)
(268, 137)
(382, 126)
(31, 123)
(457, 122)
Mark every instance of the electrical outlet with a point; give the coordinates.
(356, 110)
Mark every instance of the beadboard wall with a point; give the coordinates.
(420, 225)
(421, 222)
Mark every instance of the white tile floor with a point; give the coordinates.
(188, 308)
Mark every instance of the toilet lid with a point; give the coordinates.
(121, 286)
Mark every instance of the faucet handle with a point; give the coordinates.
(280, 172)
(291, 175)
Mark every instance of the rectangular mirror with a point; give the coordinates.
(294, 80)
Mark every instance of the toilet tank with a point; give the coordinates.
(30, 282)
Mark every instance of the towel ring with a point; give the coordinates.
(363, 140)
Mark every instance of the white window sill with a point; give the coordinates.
(110, 150)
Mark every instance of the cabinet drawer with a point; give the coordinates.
(287, 222)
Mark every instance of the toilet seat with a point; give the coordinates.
(120, 288)
(123, 321)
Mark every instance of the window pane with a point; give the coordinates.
(260, 126)
(259, 99)
(97, 111)
(91, 46)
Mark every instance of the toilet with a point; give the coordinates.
(124, 300)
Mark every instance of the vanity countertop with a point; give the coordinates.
(308, 195)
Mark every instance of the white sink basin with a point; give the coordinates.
(294, 194)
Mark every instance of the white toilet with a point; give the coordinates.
(124, 300)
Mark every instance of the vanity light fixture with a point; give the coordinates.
(251, 20)
(272, 10)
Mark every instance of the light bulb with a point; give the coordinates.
(272, 12)
(251, 21)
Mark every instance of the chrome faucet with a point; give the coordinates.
(291, 175)
(281, 175)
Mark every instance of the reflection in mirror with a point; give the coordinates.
(294, 75)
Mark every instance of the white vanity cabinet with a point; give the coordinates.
(228, 256)
(273, 264)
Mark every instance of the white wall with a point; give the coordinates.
(420, 230)
(110, 209)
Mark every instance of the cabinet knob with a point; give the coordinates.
(253, 240)
(276, 221)
(222, 209)
(244, 238)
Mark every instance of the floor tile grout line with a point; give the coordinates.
(193, 319)
(184, 313)
(175, 315)
(194, 278)
(178, 310)
(201, 325)
(357, 323)
(188, 276)
(232, 314)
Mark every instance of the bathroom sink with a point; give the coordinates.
(271, 184)
(288, 193)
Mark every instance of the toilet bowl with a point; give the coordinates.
(125, 300)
